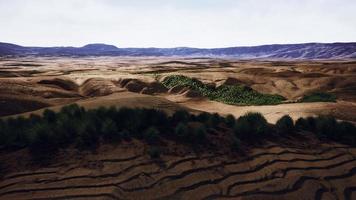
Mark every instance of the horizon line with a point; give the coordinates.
(267, 44)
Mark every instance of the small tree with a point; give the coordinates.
(203, 117)
(301, 124)
(236, 144)
(125, 134)
(151, 135)
(311, 124)
(251, 126)
(347, 132)
(214, 120)
(88, 136)
(346, 128)
(43, 143)
(327, 126)
(199, 134)
(49, 116)
(154, 152)
(73, 110)
(110, 131)
(230, 120)
(180, 116)
(285, 124)
(181, 131)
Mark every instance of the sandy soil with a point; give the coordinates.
(294, 169)
(272, 171)
(29, 84)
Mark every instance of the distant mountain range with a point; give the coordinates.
(274, 51)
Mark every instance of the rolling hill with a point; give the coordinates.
(275, 51)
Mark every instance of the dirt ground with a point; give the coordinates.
(271, 171)
(302, 169)
(28, 84)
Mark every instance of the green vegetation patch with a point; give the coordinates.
(75, 126)
(319, 97)
(230, 94)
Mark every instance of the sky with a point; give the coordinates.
(176, 23)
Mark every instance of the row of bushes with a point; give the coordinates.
(254, 125)
(73, 125)
(230, 94)
(239, 94)
(318, 97)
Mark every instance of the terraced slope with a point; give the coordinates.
(269, 172)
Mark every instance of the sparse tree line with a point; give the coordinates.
(86, 129)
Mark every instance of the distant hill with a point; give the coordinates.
(274, 51)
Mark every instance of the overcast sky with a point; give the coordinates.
(173, 23)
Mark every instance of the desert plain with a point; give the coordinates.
(299, 168)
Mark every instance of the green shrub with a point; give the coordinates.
(16, 132)
(3, 135)
(44, 135)
(285, 124)
(230, 121)
(251, 126)
(131, 121)
(199, 134)
(319, 97)
(156, 118)
(231, 94)
(34, 119)
(346, 128)
(49, 116)
(66, 129)
(125, 134)
(181, 131)
(43, 143)
(311, 124)
(110, 131)
(203, 117)
(73, 110)
(326, 126)
(301, 124)
(154, 152)
(214, 120)
(347, 131)
(306, 124)
(180, 116)
(242, 95)
(88, 136)
(236, 144)
(151, 135)
(150, 117)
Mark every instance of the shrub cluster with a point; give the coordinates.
(319, 97)
(328, 127)
(74, 125)
(86, 129)
(230, 94)
(285, 124)
(251, 126)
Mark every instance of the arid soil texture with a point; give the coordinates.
(290, 169)
(28, 84)
(272, 171)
